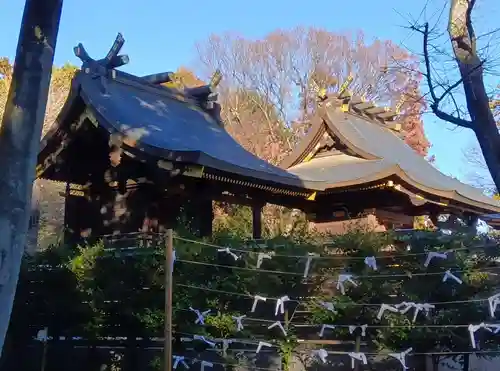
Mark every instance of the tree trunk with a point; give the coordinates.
(484, 127)
(483, 123)
(20, 138)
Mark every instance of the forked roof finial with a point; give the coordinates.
(103, 68)
(112, 59)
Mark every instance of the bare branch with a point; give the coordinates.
(450, 118)
(272, 77)
(435, 100)
(427, 62)
(457, 83)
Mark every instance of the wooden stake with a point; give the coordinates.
(358, 348)
(169, 265)
(44, 355)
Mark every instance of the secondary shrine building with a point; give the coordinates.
(133, 152)
(357, 150)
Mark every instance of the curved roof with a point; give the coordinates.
(170, 125)
(341, 170)
(382, 154)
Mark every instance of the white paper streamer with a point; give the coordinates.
(343, 278)
(401, 357)
(320, 353)
(262, 344)
(227, 250)
(472, 332)
(179, 359)
(328, 306)
(384, 307)
(357, 356)
(206, 364)
(260, 258)
(202, 338)
(256, 299)
(426, 307)
(494, 302)
(278, 324)
(494, 328)
(432, 255)
(371, 262)
(310, 257)
(280, 304)
(406, 305)
(323, 327)
(239, 323)
(448, 274)
(43, 335)
(363, 328)
(200, 315)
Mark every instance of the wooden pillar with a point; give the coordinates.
(170, 210)
(68, 224)
(471, 219)
(205, 217)
(257, 222)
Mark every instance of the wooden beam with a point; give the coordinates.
(376, 110)
(158, 78)
(387, 115)
(363, 106)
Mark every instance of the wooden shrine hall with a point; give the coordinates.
(133, 152)
(358, 151)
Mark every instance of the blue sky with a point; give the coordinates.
(161, 36)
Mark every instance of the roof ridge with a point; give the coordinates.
(106, 69)
(358, 105)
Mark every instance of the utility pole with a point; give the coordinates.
(169, 265)
(20, 137)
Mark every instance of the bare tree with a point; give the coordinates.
(268, 90)
(479, 175)
(471, 68)
(270, 85)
